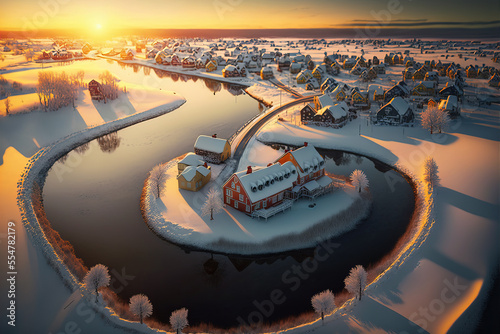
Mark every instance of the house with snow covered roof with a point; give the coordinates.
(194, 178)
(340, 92)
(212, 149)
(450, 106)
(310, 167)
(266, 73)
(335, 116)
(262, 192)
(397, 111)
(400, 89)
(494, 80)
(424, 88)
(190, 159)
(453, 89)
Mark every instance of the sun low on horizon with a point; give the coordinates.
(225, 14)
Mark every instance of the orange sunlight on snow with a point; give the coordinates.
(460, 306)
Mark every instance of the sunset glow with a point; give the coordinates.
(221, 14)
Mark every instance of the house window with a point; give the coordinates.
(264, 204)
(235, 204)
(228, 200)
(229, 192)
(280, 196)
(237, 189)
(247, 208)
(275, 199)
(241, 198)
(232, 185)
(257, 206)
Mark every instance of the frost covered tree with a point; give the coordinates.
(109, 84)
(178, 319)
(355, 283)
(158, 177)
(96, 278)
(359, 180)
(323, 303)
(430, 172)
(213, 204)
(434, 120)
(141, 306)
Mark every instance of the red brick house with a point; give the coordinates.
(95, 90)
(262, 192)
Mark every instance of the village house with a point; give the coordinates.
(190, 159)
(452, 89)
(127, 54)
(262, 192)
(432, 76)
(424, 88)
(212, 149)
(340, 92)
(194, 178)
(95, 89)
(188, 62)
(396, 112)
(450, 106)
(494, 81)
(303, 76)
(419, 74)
(400, 89)
(335, 116)
(211, 66)
(230, 71)
(266, 73)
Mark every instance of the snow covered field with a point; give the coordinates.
(441, 286)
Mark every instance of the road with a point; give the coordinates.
(242, 144)
(279, 84)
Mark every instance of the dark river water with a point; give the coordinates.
(91, 197)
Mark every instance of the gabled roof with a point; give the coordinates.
(450, 103)
(399, 104)
(324, 100)
(306, 157)
(275, 176)
(210, 144)
(190, 172)
(192, 159)
(337, 111)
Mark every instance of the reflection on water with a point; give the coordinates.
(109, 143)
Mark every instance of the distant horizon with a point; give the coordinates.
(491, 33)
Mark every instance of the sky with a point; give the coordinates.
(96, 17)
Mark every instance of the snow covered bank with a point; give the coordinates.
(33, 176)
(176, 216)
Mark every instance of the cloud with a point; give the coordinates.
(417, 23)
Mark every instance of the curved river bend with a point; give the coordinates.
(91, 197)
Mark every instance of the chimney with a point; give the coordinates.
(305, 144)
(214, 135)
(287, 150)
(269, 164)
(249, 170)
(205, 165)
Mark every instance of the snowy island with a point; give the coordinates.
(289, 203)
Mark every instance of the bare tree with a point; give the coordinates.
(430, 172)
(7, 103)
(213, 204)
(359, 180)
(141, 306)
(355, 283)
(178, 319)
(434, 120)
(323, 303)
(96, 278)
(158, 176)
